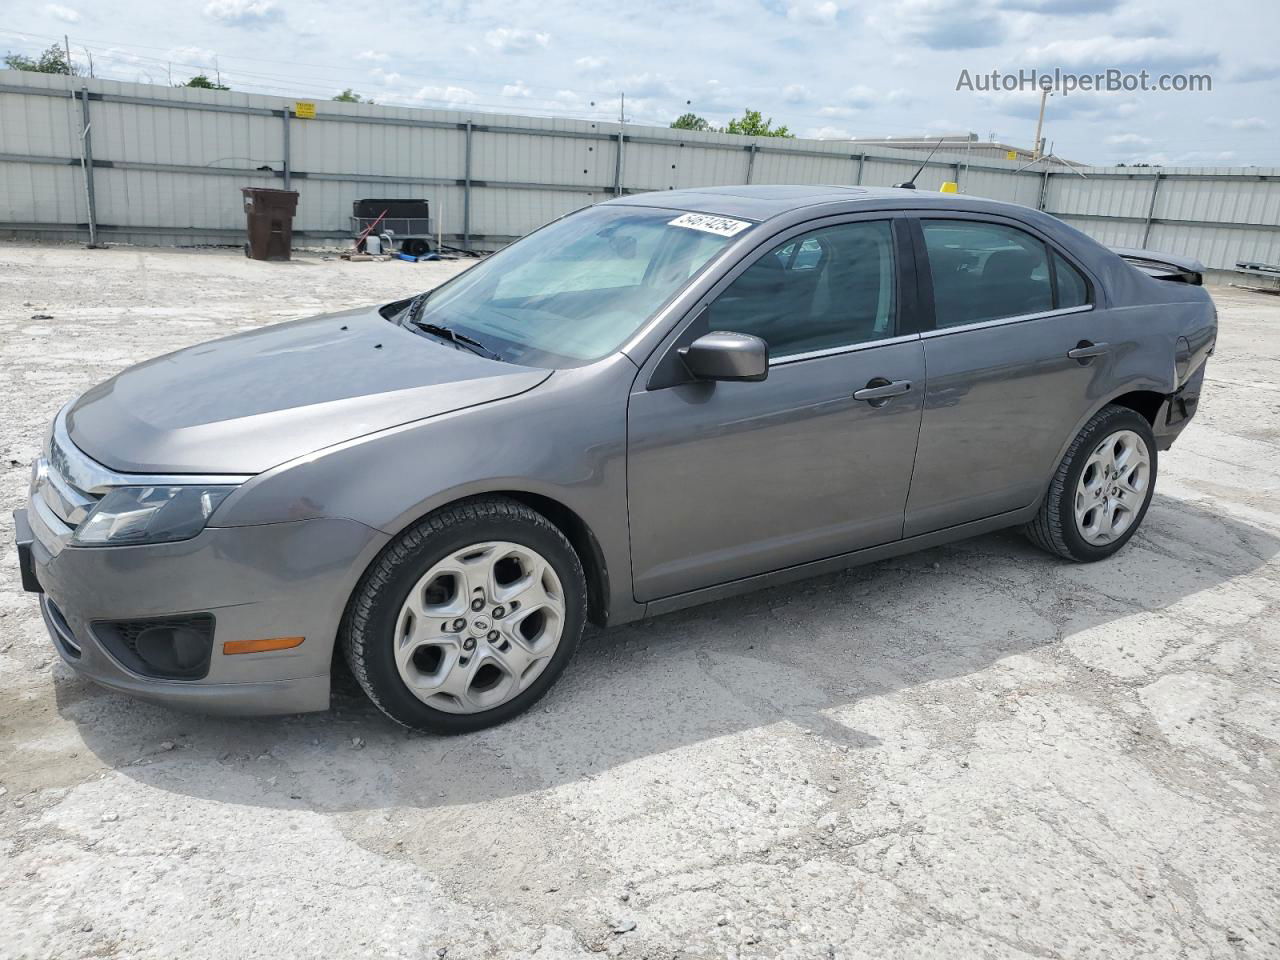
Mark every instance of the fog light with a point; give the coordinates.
(170, 648)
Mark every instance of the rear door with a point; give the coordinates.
(729, 480)
(1018, 354)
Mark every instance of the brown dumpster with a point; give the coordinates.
(269, 215)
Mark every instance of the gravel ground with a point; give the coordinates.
(977, 751)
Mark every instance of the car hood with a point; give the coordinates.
(248, 402)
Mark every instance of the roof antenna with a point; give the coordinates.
(911, 184)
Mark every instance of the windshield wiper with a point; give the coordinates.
(454, 337)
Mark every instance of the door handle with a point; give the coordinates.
(879, 391)
(1086, 350)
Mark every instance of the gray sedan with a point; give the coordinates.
(651, 403)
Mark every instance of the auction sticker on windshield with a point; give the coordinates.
(721, 226)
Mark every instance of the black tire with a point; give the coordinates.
(368, 625)
(1055, 529)
(416, 247)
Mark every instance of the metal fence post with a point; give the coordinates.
(86, 164)
(286, 150)
(617, 163)
(958, 166)
(1044, 190)
(751, 160)
(862, 162)
(466, 193)
(1151, 209)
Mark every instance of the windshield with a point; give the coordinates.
(574, 291)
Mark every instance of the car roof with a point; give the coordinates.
(760, 202)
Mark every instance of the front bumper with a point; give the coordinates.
(271, 580)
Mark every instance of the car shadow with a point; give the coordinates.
(801, 654)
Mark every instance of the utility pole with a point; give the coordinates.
(1035, 147)
(218, 73)
(67, 44)
(89, 56)
(622, 125)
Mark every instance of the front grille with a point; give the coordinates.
(167, 648)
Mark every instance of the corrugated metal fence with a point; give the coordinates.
(165, 166)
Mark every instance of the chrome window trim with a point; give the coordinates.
(844, 348)
(89, 476)
(1003, 321)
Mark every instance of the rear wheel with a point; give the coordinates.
(1101, 490)
(467, 618)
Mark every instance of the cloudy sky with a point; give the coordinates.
(827, 68)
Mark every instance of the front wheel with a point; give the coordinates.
(467, 618)
(1101, 490)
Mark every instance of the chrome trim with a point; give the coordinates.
(52, 522)
(1003, 321)
(90, 476)
(67, 502)
(848, 348)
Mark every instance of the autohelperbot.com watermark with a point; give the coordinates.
(1065, 82)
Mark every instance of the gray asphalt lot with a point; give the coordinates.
(976, 751)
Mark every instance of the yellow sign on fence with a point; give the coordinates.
(1011, 154)
(305, 110)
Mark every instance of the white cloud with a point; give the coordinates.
(517, 89)
(591, 64)
(1240, 123)
(374, 56)
(942, 24)
(855, 100)
(65, 14)
(1128, 139)
(813, 11)
(388, 78)
(514, 40)
(192, 56)
(796, 93)
(243, 13)
(1061, 7)
(1100, 52)
(829, 133)
(445, 94)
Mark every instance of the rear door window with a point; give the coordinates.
(985, 271)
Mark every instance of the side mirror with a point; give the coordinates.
(721, 355)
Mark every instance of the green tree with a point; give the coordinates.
(53, 60)
(350, 96)
(203, 82)
(752, 124)
(690, 121)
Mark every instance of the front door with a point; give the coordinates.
(729, 480)
(1018, 356)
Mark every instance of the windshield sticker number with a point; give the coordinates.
(720, 226)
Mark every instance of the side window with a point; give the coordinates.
(985, 271)
(1073, 291)
(832, 287)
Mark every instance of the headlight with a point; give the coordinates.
(150, 515)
